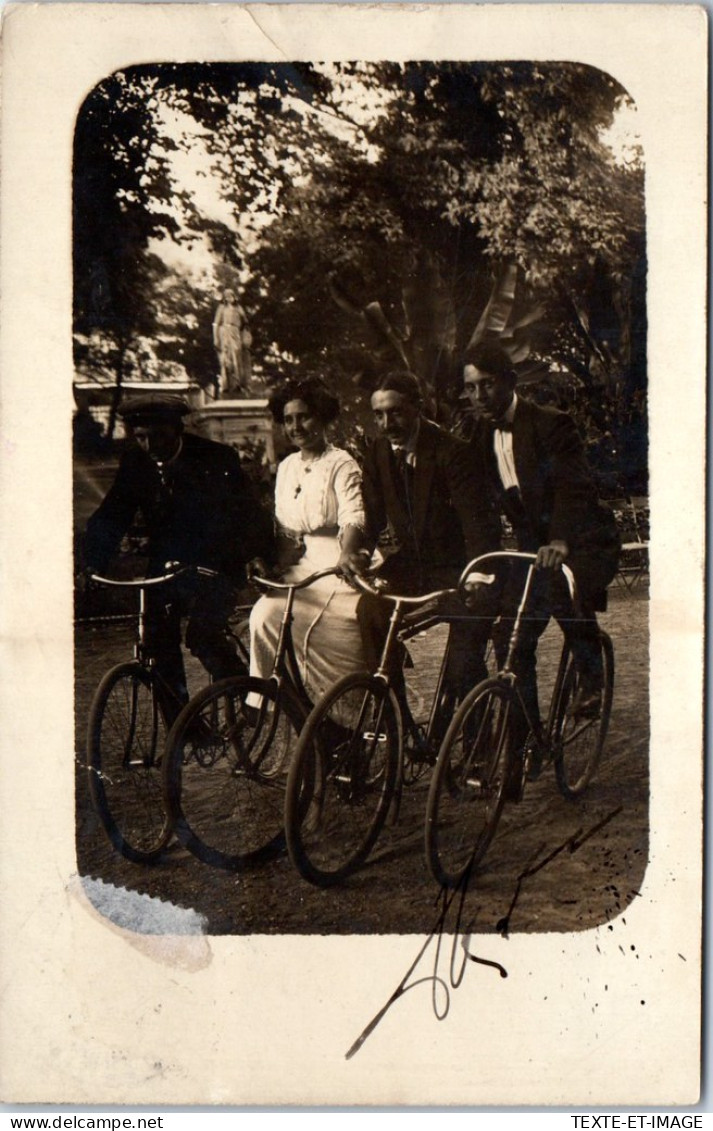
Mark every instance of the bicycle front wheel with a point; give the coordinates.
(579, 738)
(125, 741)
(225, 771)
(467, 789)
(342, 779)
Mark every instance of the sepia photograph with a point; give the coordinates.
(358, 569)
(297, 262)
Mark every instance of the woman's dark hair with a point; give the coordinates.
(400, 381)
(491, 358)
(318, 399)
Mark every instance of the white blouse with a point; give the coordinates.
(323, 493)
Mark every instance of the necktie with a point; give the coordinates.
(405, 471)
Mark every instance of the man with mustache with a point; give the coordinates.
(428, 511)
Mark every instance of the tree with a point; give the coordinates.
(384, 214)
(482, 198)
(121, 200)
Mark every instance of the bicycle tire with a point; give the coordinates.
(125, 740)
(467, 789)
(225, 767)
(578, 742)
(342, 779)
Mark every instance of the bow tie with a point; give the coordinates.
(503, 426)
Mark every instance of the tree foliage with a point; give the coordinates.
(382, 215)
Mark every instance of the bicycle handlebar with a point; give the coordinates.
(283, 586)
(147, 582)
(373, 591)
(476, 564)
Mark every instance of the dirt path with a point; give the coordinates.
(394, 892)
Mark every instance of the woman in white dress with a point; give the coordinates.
(318, 507)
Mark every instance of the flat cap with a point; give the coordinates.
(153, 406)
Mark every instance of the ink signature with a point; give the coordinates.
(441, 986)
(573, 843)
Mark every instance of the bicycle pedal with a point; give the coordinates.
(534, 769)
(532, 760)
(420, 755)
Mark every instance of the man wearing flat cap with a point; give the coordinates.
(199, 509)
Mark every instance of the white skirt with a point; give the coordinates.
(324, 625)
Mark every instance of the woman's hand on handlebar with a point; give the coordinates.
(353, 563)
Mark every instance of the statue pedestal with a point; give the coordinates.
(242, 423)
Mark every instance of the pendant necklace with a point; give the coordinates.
(306, 471)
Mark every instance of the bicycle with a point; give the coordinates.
(358, 748)
(127, 726)
(227, 753)
(477, 770)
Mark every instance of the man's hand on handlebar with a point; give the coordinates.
(479, 591)
(83, 580)
(552, 555)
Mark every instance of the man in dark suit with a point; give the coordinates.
(429, 515)
(199, 509)
(534, 460)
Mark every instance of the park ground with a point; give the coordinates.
(588, 882)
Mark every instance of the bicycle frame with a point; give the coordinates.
(143, 584)
(396, 632)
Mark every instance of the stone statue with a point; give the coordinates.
(232, 341)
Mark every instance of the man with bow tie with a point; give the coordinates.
(429, 514)
(534, 461)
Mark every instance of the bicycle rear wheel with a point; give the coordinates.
(224, 777)
(342, 779)
(578, 740)
(125, 741)
(467, 789)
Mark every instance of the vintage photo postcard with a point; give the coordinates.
(353, 455)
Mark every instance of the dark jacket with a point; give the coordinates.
(206, 512)
(442, 521)
(558, 494)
